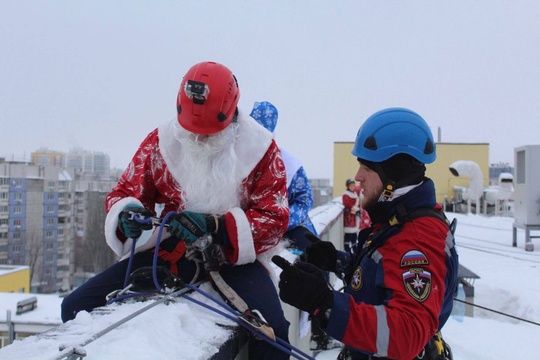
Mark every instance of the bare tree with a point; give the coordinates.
(93, 253)
(34, 250)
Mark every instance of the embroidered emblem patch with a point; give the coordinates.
(414, 258)
(356, 281)
(417, 283)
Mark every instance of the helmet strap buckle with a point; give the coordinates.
(388, 190)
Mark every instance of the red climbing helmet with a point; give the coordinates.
(208, 98)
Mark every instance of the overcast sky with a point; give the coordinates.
(100, 75)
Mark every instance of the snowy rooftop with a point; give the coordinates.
(46, 312)
(509, 282)
(7, 269)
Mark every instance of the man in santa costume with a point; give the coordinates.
(351, 203)
(223, 177)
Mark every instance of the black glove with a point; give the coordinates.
(303, 286)
(322, 254)
(130, 227)
(189, 226)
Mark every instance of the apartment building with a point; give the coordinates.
(35, 222)
(50, 213)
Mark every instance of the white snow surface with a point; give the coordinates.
(509, 282)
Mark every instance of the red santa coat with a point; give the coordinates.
(151, 178)
(365, 220)
(350, 201)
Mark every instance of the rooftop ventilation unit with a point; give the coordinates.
(26, 305)
(526, 193)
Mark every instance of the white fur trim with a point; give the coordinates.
(111, 224)
(246, 248)
(351, 194)
(266, 260)
(169, 146)
(251, 144)
(292, 164)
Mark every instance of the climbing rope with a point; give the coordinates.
(497, 312)
(248, 319)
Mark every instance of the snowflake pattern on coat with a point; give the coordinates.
(265, 114)
(253, 228)
(300, 201)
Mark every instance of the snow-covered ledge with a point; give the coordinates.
(191, 331)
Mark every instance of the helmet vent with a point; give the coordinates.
(370, 143)
(429, 148)
(221, 116)
(179, 109)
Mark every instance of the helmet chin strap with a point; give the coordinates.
(390, 186)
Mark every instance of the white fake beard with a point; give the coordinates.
(208, 180)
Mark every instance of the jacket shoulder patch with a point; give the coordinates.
(417, 283)
(414, 258)
(356, 281)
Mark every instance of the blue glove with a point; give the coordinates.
(130, 227)
(189, 226)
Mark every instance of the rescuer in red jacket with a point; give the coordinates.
(402, 277)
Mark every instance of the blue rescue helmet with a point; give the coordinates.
(394, 131)
(266, 114)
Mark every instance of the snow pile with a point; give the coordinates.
(180, 328)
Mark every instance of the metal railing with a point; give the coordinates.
(328, 221)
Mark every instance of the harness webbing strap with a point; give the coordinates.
(229, 293)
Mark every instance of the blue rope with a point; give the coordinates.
(130, 261)
(159, 289)
(156, 249)
(234, 317)
(137, 218)
(279, 344)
